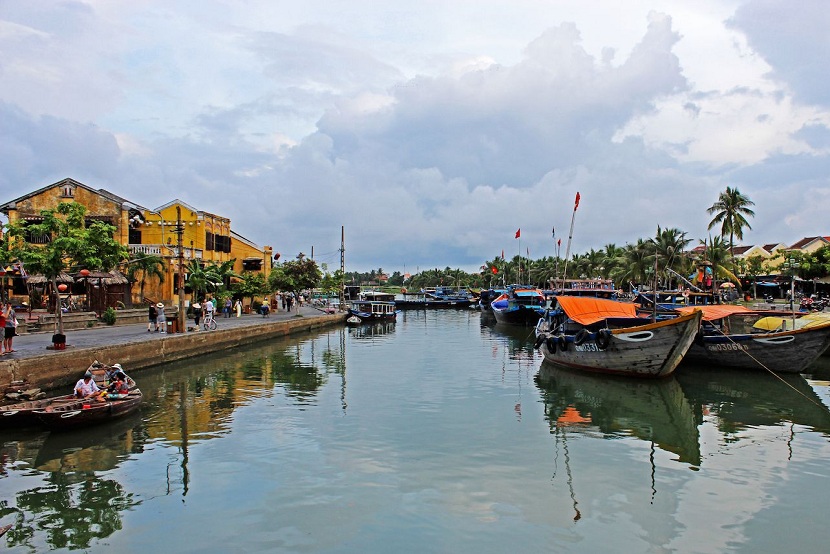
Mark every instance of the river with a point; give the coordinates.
(438, 433)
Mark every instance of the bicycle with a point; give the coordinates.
(209, 323)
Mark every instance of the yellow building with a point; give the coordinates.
(204, 236)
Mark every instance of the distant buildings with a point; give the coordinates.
(206, 237)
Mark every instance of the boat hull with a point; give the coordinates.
(85, 412)
(22, 414)
(783, 352)
(526, 316)
(651, 350)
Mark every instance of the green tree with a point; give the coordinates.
(295, 275)
(252, 284)
(145, 266)
(72, 245)
(729, 210)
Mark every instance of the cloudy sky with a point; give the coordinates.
(430, 130)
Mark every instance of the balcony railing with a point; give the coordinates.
(165, 251)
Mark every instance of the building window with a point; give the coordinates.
(68, 191)
(135, 236)
(208, 241)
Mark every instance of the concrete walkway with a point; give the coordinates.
(34, 361)
(35, 344)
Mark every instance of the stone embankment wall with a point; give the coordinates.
(58, 369)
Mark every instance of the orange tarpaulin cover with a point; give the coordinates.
(715, 311)
(587, 309)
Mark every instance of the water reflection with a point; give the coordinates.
(654, 411)
(739, 400)
(519, 340)
(375, 330)
(57, 488)
(72, 505)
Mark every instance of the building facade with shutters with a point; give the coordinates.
(205, 237)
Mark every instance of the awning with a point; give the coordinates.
(587, 309)
(715, 311)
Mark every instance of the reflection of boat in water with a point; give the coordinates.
(372, 329)
(749, 398)
(519, 339)
(85, 451)
(653, 411)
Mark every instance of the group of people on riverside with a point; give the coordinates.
(208, 308)
(118, 385)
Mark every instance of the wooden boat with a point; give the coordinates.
(371, 311)
(606, 336)
(21, 414)
(87, 412)
(729, 338)
(519, 305)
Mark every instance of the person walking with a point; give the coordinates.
(227, 310)
(152, 319)
(197, 314)
(161, 319)
(238, 308)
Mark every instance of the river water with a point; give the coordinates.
(438, 433)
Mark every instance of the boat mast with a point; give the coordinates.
(570, 236)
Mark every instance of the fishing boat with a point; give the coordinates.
(736, 337)
(606, 336)
(85, 412)
(519, 305)
(21, 414)
(370, 311)
(425, 301)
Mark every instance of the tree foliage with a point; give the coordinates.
(71, 244)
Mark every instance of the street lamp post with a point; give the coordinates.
(179, 233)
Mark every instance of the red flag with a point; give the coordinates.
(559, 242)
(494, 270)
(519, 232)
(576, 203)
(502, 254)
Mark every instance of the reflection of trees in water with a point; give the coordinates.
(299, 379)
(70, 514)
(71, 506)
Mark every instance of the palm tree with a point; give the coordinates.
(147, 267)
(729, 211)
(638, 261)
(669, 245)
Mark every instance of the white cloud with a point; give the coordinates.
(430, 133)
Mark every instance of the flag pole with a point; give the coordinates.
(568, 246)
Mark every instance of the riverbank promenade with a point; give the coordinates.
(134, 347)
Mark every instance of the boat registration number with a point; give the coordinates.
(729, 346)
(587, 347)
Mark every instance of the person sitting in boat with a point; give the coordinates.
(119, 387)
(86, 386)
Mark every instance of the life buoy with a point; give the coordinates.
(551, 343)
(539, 340)
(563, 344)
(581, 336)
(603, 339)
(403, 290)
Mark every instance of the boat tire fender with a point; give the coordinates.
(603, 339)
(563, 344)
(699, 337)
(539, 340)
(581, 336)
(551, 342)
